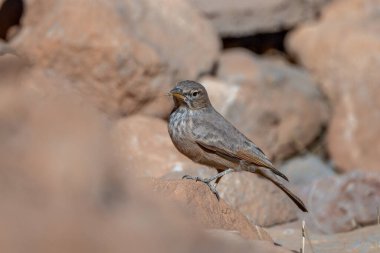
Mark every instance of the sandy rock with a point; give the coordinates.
(289, 235)
(11, 65)
(125, 62)
(234, 235)
(257, 246)
(342, 203)
(202, 205)
(360, 240)
(258, 199)
(222, 94)
(144, 146)
(266, 247)
(238, 65)
(350, 10)
(302, 171)
(62, 189)
(18, 74)
(257, 102)
(239, 18)
(35, 10)
(348, 73)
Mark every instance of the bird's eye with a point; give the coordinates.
(195, 93)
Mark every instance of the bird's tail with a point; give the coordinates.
(291, 195)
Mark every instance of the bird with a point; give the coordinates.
(202, 134)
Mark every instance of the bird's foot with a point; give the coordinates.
(206, 181)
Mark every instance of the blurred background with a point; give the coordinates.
(87, 165)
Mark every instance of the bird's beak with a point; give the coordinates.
(177, 92)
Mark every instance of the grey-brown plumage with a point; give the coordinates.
(206, 137)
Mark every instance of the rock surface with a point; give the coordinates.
(11, 65)
(128, 61)
(202, 205)
(258, 199)
(348, 73)
(238, 65)
(71, 175)
(242, 17)
(61, 186)
(361, 240)
(144, 146)
(257, 246)
(256, 100)
(342, 203)
(302, 171)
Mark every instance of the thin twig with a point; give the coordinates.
(303, 237)
(378, 223)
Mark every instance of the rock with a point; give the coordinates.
(256, 245)
(222, 95)
(266, 247)
(144, 146)
(123, 64)
(18, 74)
(342, 203)
(11, 65)
(348, 73)
(234, 235)
(61, 186)
(289, 235)
(202, 206)
(360, 240)
(257, 103)
(238, 65)
(258, 199)
(304, 170)
(242, 18)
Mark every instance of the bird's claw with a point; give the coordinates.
(192, 178)
(205, 181)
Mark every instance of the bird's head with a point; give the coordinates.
(190, 94)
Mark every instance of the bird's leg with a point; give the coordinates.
(219, 175)
(210, 179)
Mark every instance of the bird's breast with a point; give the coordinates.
(181, 123)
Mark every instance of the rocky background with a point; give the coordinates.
(86, 163)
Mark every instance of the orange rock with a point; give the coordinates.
(144, 146)
(342, 51)
(359, 240)
(120, 54)
(62, 189)
(239, 18)
(258, 199)
(276, 105)
(344, 202)
(203, 206)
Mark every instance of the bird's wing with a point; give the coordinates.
(226, 141)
